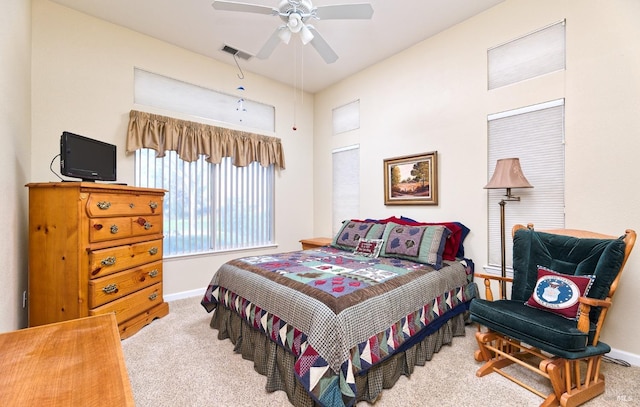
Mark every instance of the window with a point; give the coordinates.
(345, 166)
(178, 96)
(346, 185)
(210, 207)
(534, 134)
(346, 118)
(532, 55)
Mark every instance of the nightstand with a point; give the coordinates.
(315, 242)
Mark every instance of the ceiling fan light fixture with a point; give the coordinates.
(305, 35)
(295, 22)
(285, 34)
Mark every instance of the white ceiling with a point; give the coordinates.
(194, 25)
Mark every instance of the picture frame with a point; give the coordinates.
(411, 180)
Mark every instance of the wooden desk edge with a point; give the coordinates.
(107, 325)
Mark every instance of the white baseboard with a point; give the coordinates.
(185, 294)
(631, 358)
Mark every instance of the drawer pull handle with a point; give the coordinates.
(131, 205)
(153, 251)
(143, 222)
(109, 261)
(114, 229)
(104, 205)
(153, 205)
(153, 273)
(110, 289)
(153, 296)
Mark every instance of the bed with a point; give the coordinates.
(335, 325)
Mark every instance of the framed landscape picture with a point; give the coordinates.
(411, 180)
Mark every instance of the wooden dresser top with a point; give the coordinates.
(72, 363)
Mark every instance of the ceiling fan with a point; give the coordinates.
(295, 15)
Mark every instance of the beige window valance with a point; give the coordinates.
(191, 140)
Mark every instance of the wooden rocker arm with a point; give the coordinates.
(585, 309)
(594, 302)
(488, 293)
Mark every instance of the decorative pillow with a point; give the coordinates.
(453, 243)
(353, 230)
(463, 235)
(369, 247)
(419, 243)
(559, 293)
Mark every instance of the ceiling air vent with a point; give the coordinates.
(233, 51)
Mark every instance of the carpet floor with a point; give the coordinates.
(178, 361)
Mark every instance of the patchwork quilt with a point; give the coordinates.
(339, 313)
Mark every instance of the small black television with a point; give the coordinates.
(85, 158)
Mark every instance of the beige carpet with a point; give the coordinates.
(178, 361)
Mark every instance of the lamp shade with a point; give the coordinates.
(508, 174)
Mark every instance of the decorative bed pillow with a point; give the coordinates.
(453, 245)
(369, 247)
(353, 230)
(463, 235)
(559, 293)
(419, 243)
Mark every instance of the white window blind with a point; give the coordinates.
(532, 55)
(346, 118)
(159, 91)
(346, 185)
(210, 207)
(535, 135)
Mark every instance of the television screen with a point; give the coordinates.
(86, 158)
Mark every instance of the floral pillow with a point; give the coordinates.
(559, 293)
(353, 230)
(419, 243)
(368, 247)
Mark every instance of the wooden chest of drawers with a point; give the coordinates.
(95, 249)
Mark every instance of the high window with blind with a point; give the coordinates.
(219, 181)
(534, 134)
(529, 56)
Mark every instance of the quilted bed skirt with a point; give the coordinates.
(277, 364)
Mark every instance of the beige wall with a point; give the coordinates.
(15, 53)
(434, 97)
(83, 82)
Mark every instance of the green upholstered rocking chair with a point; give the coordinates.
(562, 286)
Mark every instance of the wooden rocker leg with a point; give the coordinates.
(493, 361)
(570, 387)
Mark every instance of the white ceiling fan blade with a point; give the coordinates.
(244, 7)
(323, 48)
(345, 12)
(271, 44)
